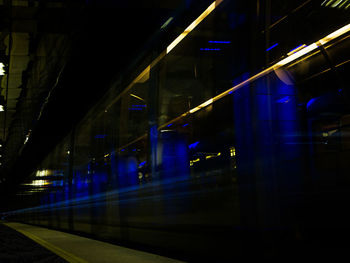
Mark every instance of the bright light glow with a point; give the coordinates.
(205, 104)
(296, 55)
(2, 70)
(42, 173)
(193, 25)
(335, 34)
(2, 108)
(232, 151)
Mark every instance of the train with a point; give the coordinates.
(231, 140)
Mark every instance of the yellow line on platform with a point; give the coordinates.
(58, 251)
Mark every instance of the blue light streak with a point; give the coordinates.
(193, 145)
(100, 136)
(310, 102)
(296, 48)
(219, 42)
(210, 49)
(142, 164)
(273, 46)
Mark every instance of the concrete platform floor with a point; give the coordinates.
(76, 249)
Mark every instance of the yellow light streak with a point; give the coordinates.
(193, 25)
(335, 34)
(144, 75)
(292, 57)
(137, 97)
(205, 104)
(296, 50)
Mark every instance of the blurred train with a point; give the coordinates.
(233, 138)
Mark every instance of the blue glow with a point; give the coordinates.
(219, 42)
(138, 107)
(142, 164)
(100, 136)
(275, 45)
(210, 49)
(185, 125)
(193, 145)
(171, 124)
(285, 99)
(296, 48)
(310, 102)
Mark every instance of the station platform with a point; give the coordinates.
(38, 244)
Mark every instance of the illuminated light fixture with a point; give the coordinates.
(193, 25)
(2, 108)
(298, 54)
(2, 69)
(296, 49)
(273, 46)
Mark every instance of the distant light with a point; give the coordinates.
(275, 45)
(2, 69)
(232, 151)
(169, 125)
(2, 108)
(142, 164)
(185, 125)
(294, 50)
(210, 49)
(219, 42)
(100, 136)
(68, 152)
(167, 22)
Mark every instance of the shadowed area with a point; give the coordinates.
(15, 247)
